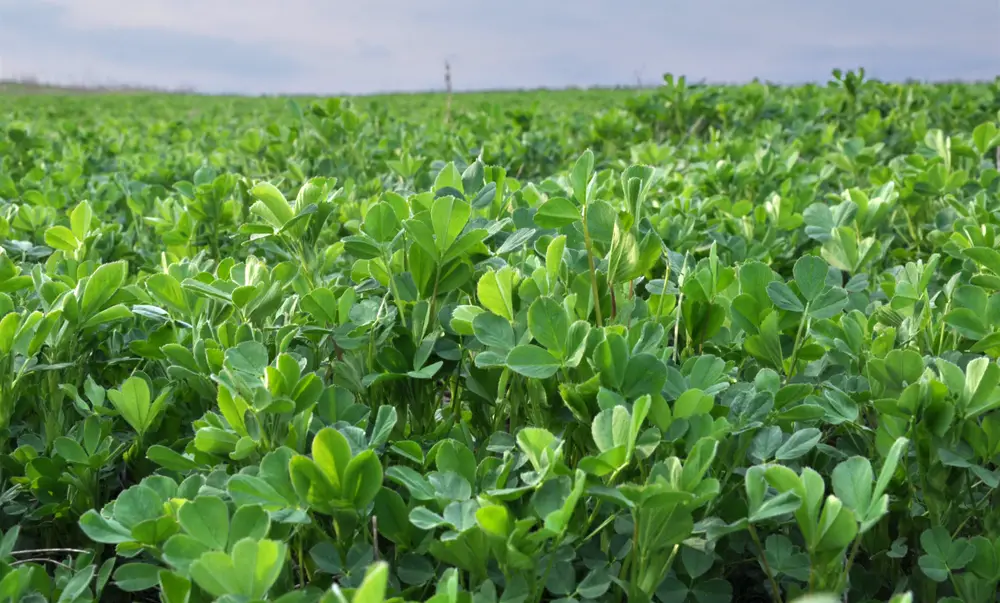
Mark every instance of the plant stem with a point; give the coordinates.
(614, 302)
(798, 340)
(593, 270)
(666, 281)
(775, 590)
(548, 570)
(434, 295)
(302, 563)
(387, 258)
(850, 562)
(677, 323)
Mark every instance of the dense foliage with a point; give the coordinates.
(688, 345)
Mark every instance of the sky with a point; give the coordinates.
(368, 46)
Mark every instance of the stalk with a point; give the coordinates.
(593, 270)
(775, 591)
(548, 570)
(798, 340)
(434, 295)
(850, 561)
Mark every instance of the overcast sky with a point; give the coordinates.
(334, 46)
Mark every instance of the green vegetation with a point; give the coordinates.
(686, 345)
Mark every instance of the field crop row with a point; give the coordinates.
(694, 344)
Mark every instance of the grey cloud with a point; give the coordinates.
(896, 63)
(378, 45)
(17, 17)
(366, 50)
(157, 49)
(148, 50)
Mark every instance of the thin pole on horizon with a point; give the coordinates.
(447, 85)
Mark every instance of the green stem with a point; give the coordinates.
(940, 348)
(614, 302)
(392, 281)
(663, 294)
(798, 340)
(598, 529)
(548, 570)
(302, 563)
(434, 295)
(775, 590)
(845, 579)
(913, 231)
(677, 323)
(593, 269)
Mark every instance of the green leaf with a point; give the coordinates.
(167, 291)
(259, 562)
(206, 518)
(852, 483)
(80, 219)
(810, 276)
(611, 360)
(181, 550)
(381, 223)
(557, 212)
(698, 463)
(644, 374)
(554, 258)
(71, 450)
(449, 177)
(448, 218)
(137, 504)
(170, 459)
(985, 137)
(362, 479)
(61, 238)
(112, 314)
(784, 297)
(494, 331)
(134, 577)
(426, 519)
(980, 392)
(133, 403)
(101, 286)
(77, 585)
(829, 303)
(385, 421)
(611, 428)
(494, 520)
(373, 586)
(417, 485)
(933, 568)
(837, 526)
(663, 523)
(248, 489)
(581, 175)
(987, 257)
(623, 259)
(495, 291)
(271, 204)
(331, 453)
(249, 521)
(100, 529)
(393, 517)
(889, 467)
(693, 402)
(215, 574)
(174, 588)
(532, 361)
(800, 443)
(786, 502)
(549, 325)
